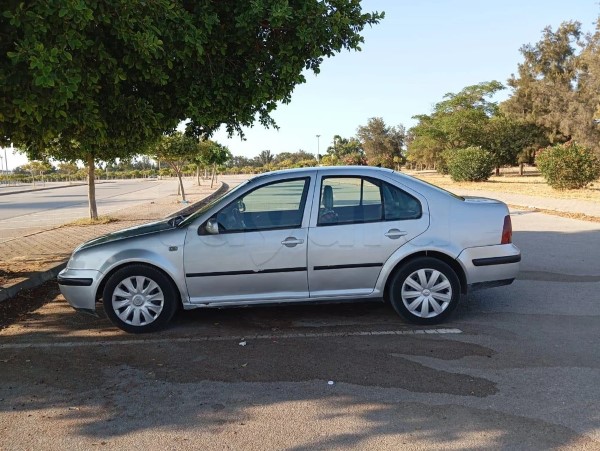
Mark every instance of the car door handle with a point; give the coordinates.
(292, 241)
(394, 234)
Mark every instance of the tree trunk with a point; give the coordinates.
(92, 187)
(181, 187)
(198, 175)
(214, 171)
(521, 169)
(205, 173)
(497, 171)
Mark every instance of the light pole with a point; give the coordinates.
(318, 148)
(6, 162)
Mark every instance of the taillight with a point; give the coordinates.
(507, 231)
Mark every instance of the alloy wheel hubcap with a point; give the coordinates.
(138, 300)
(426, 293)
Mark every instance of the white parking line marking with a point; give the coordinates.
(84, 344)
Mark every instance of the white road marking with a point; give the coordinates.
(235, 339)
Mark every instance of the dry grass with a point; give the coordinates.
(89, 221)
(532, 183)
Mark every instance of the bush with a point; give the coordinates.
(472, 164)
(568, 166)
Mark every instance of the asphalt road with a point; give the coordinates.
(516, 367)
(28, 212)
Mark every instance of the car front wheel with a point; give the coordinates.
(425, 291)
(139, 298)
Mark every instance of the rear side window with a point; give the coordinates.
(398, 204)
(355, 200)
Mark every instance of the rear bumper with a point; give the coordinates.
(79, 287)
(488, 266)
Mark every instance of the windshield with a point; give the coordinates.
(203, 209)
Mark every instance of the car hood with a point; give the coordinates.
(131, 232)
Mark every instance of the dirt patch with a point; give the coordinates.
(563, 214)
(14, 309)
(513, 183)
(89, 221)
(17, 269)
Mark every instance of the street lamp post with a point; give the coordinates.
(6, 161)
(318, 148)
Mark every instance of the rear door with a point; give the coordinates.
(357, 223)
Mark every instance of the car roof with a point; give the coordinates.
(325, 169)
(410, 181)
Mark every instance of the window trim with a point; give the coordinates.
(302, 207)
(377, 182)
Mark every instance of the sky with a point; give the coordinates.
(420, 51)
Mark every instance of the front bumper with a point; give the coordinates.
(486, 265)
(79, 287)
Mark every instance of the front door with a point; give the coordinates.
(259, 253)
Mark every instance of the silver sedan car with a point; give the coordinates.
(304, 235)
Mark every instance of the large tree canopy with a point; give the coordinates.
(470, 118)
(557, 86)
(383, 145)
(113, 75)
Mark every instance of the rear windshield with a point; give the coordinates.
(456, 196)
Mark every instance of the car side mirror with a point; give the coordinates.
(212, 227)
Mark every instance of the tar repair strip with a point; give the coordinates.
(81, 344)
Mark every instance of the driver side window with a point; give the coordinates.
(278, 205)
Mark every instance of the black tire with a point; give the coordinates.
(157, 298)
(444, 298)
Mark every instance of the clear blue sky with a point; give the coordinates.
(419, 52)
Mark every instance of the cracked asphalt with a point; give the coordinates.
(516, 367)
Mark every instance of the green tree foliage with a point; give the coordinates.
(214, 154)
(87, 80)
(512, 141)
(344, 151)
(293, 159)
(37, 168)
(69, 169)
(557, 85)
(471, 119)
(381, 143)
(343, 147)
(177, 150)
(264, 158)
(568, 166)
(472, 164)
(458, 121)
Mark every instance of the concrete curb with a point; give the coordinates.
(39, 278)
(34, 281)
(50, 187)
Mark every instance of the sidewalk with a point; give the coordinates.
(576, 206)
(31, 260)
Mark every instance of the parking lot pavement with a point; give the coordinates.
(516, 367)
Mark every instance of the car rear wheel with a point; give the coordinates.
(139, 298)
(425, 291)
